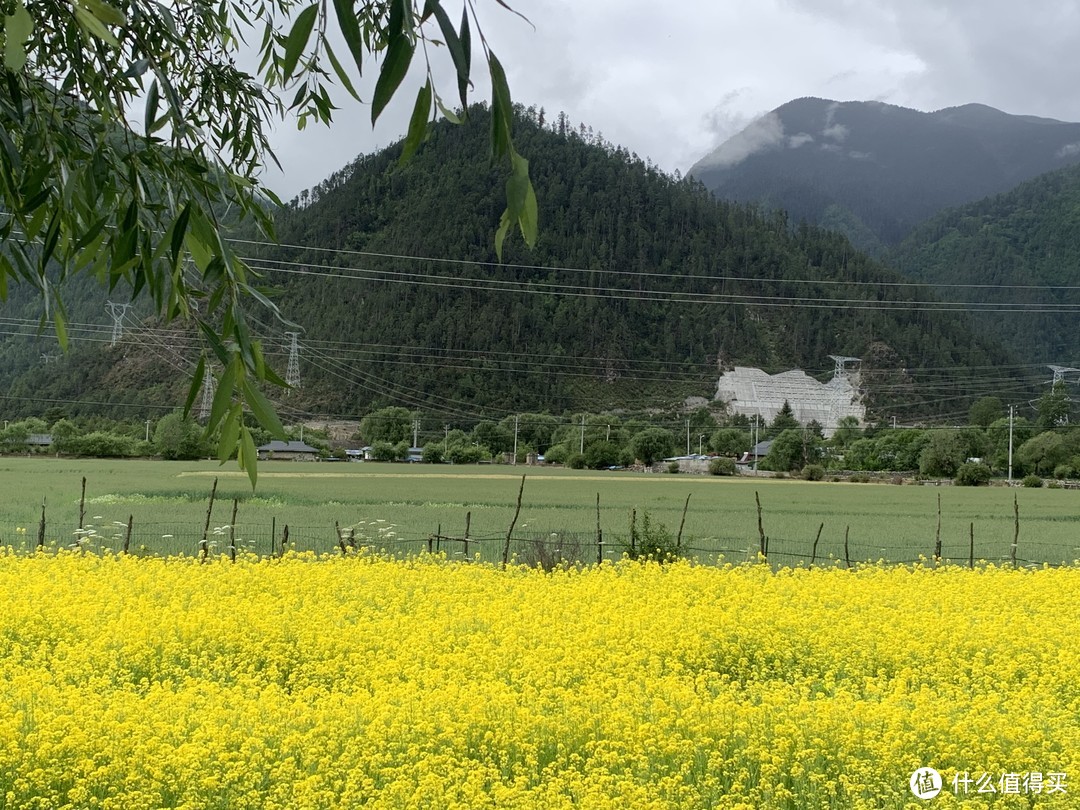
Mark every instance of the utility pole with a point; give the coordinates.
(1010, 441)
(446, 441)
(292, 372)
(517, 419)
(117, 311)
(687, 437)
(700, 439)
(581, 447)
(754, 450)
(415, 431)
(148, 430)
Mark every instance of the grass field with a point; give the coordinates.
(397, 506)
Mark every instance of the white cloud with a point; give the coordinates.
(766, 132)
(1069, 149)
(835, 132)
(803, 138)
(674, 84)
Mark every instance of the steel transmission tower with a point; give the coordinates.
(207, 394)
(292, 373)
(1060, 372)
(117, 311)
(1059, 377)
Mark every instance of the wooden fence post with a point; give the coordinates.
(633, 532)
(599, 534)
(1016, 529)
(203, 547)
(971, 548)
(284, 539)
(510, 532)
(127, 537)
(273, 533)
(340, 539)
(847, 556)
(232, 530)
(760, 528)
(465, 539)
(813, 553)
(937, 535)
(678, 539)
(41, 526)
(82, 504)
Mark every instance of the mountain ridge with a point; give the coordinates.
(874, 170)
(641, 288)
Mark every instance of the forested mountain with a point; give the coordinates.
(873, 171)
(1007, 246)
(642, 287)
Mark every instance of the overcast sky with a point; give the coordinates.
(671, 81)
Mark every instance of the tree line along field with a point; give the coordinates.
(397, 507)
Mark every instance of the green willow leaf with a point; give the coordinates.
(399, 55)
(196, 384)
(417, 123)
(248, 456)
(17, 29)
(502, 110)
(459, 52)
(298, 40)
(350, 29)
(465, 37)
(262, 409)
(342, 74)
(230, 432)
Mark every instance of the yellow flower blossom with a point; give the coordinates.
(309, 682)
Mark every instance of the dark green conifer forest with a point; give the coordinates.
(641, 288)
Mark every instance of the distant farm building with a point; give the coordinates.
(288, 451)
(752, 392)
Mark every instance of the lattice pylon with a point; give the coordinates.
(117, 311)
(207, 395)
(292, 372)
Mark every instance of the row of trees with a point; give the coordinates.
(1046, 446)
(172, 437)
(1049, 445)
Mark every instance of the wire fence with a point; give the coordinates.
(544, 549)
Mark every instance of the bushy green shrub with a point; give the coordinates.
(468, 454)
(1031, 481)
(102, 444)
(1063, 471)
(813, 472)
(602, 454)
(673, 467)
(556, 454)
(972, 474)
(384, 451)
(576, 461)
(722, 465)
(650, 540)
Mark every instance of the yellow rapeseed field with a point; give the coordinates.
(345, 683)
